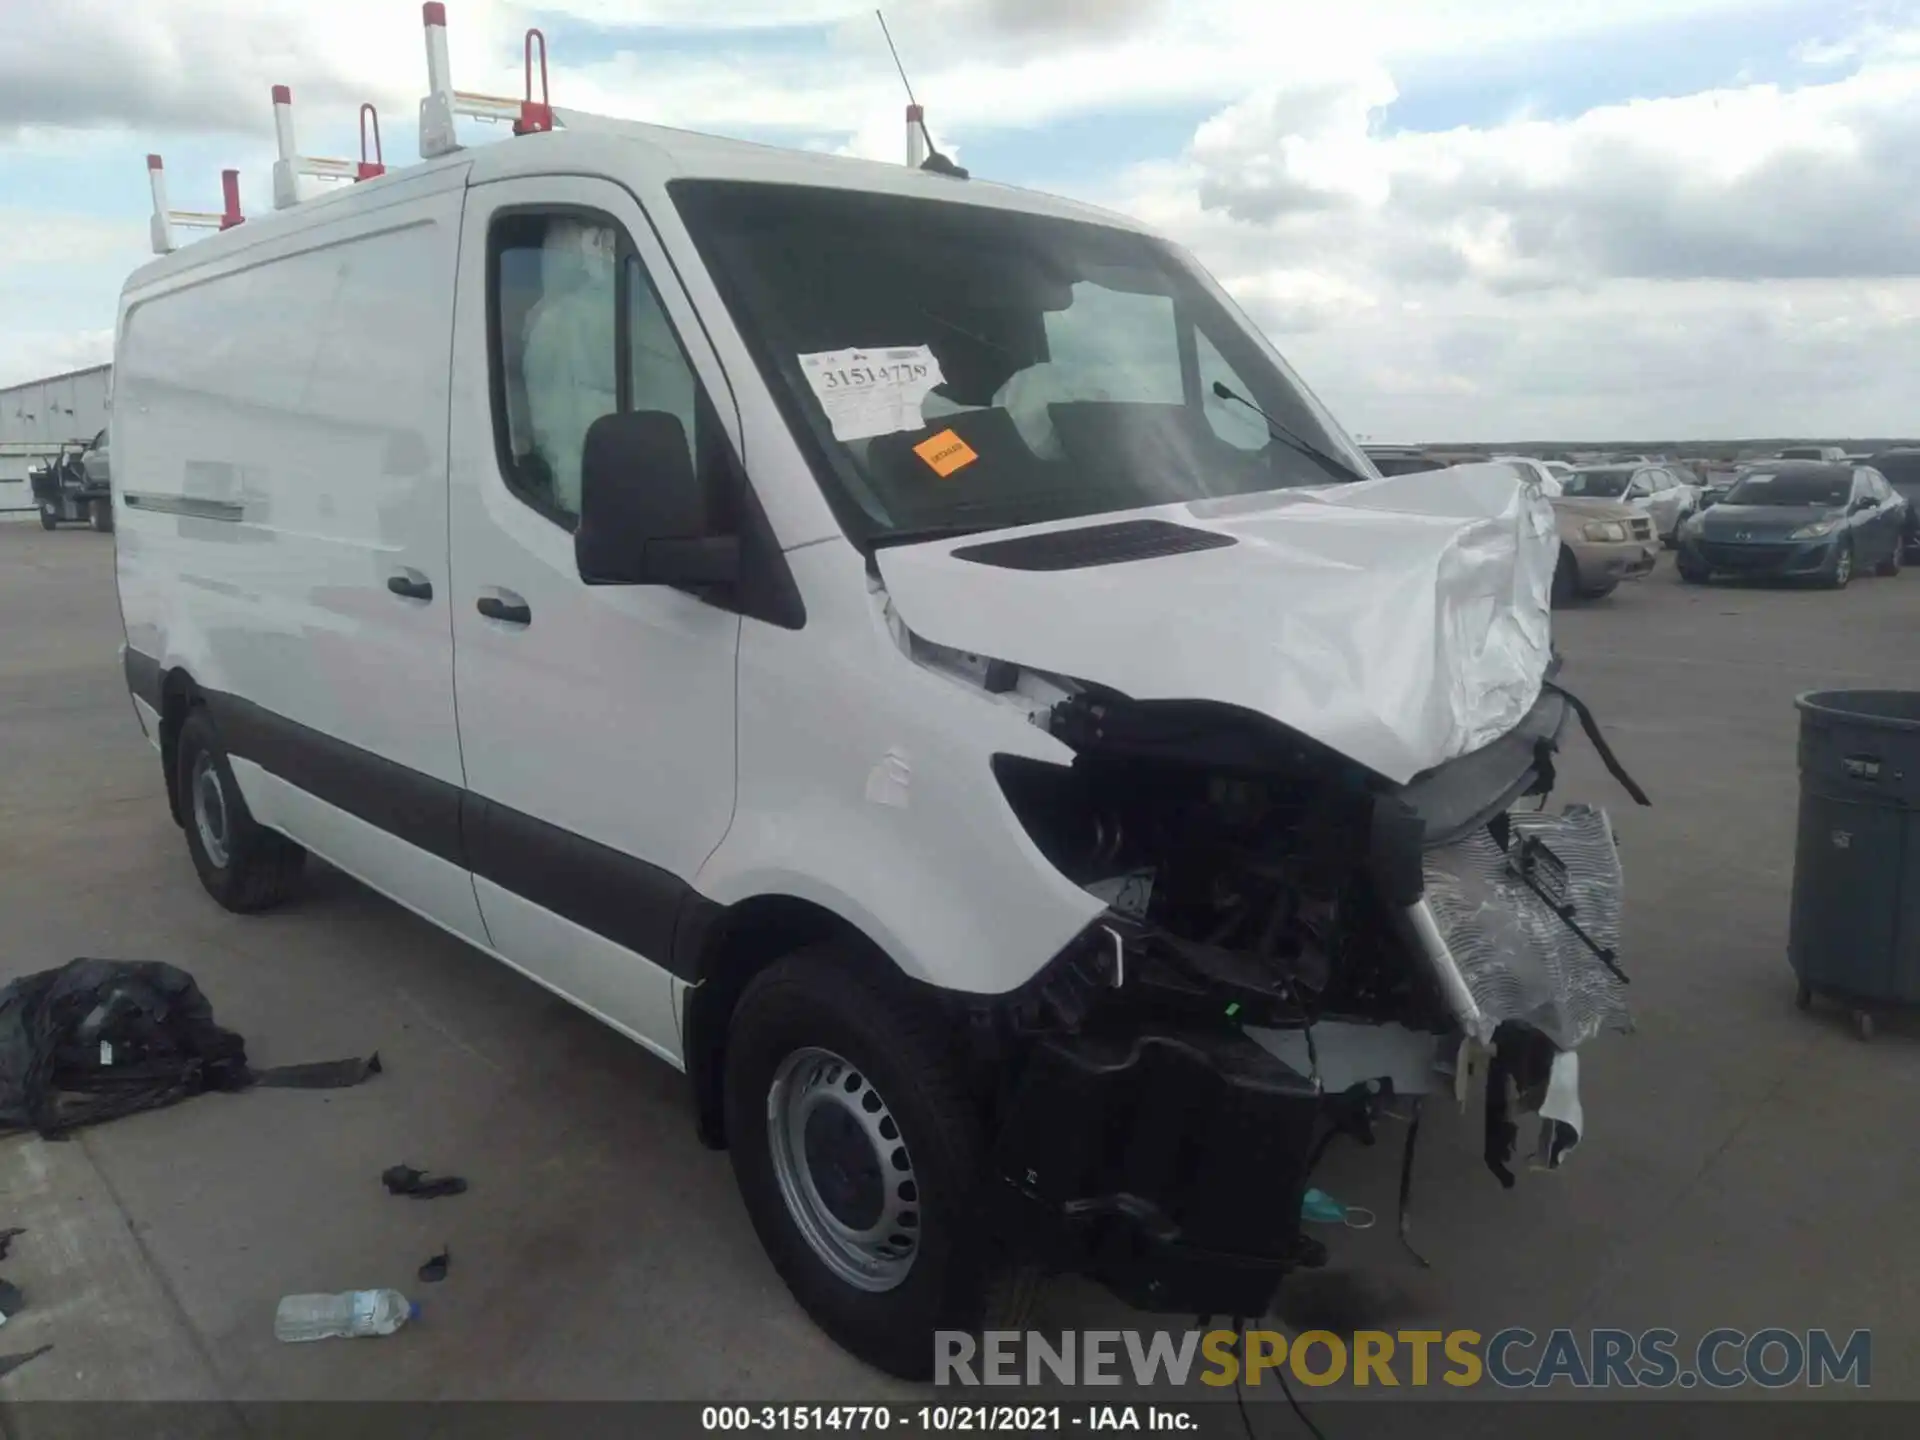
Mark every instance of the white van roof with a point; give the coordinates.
(599, 143)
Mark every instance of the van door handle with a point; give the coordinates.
(411, 584)
(506, 607)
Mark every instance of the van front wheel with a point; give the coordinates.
(862, 1162)
(244, 865)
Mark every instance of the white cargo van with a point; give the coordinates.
(902, 649)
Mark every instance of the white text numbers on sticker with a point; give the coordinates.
(872, 392)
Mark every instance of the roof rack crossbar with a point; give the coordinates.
(160, 229)
(291, 165)
(439, 134)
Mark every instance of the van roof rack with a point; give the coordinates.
(438, 135)
(165, 219)
(291, 165)
(439, 111)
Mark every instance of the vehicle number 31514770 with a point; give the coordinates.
(863, 377)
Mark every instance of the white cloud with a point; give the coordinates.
(1737, 258)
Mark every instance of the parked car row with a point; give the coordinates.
(1813, 512)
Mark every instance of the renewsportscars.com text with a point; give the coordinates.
(1512, 1359)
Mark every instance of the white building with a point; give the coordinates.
(40, 416)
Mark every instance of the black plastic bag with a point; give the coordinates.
(98, 1039)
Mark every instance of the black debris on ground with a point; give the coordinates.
(7, 1238)
(435, 1270)
(12, 1302)
(98, 1039)
(11, 1363)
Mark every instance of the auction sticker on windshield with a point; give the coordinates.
(872, 392)
(946, 453)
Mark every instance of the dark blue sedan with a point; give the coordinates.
(1799, 519)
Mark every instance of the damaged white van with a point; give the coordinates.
(905, 650)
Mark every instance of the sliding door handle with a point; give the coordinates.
(506, 607)
(411, 585)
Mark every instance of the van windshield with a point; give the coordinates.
(951, 367)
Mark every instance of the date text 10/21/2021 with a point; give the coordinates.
(950, 1419)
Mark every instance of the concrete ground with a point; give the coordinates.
(1745, 1165)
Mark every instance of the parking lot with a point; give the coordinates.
(1745, 1165)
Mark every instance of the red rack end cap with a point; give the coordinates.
(434, 13)
(915, 114)
(282, 95)
(153, 162)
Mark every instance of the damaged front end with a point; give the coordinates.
(1291, 945)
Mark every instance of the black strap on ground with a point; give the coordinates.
(321, 1075)
(1604, 750)
(11, 1363)
(1406, 1182)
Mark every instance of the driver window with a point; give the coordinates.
(556, 318)
(557, 282)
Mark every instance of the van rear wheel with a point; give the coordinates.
(862, 1161)
(244, 865)
(48, 518)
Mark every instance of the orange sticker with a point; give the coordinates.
(946, 453)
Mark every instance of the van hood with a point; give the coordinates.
(1402, 622)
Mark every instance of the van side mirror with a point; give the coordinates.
(643, 510)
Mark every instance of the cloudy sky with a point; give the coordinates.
(1461, 219)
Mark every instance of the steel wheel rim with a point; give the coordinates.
(210, 809)
(843, 1169)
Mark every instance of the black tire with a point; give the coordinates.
(260, 868)
(1598, 594)
(100, 516)
(1691, 574)
(1841, 571)
(819, 999)
(48, 520)
(1566, 578)
(1890, 566)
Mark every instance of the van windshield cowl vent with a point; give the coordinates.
(1090, 545)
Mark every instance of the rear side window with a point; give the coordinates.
(577, 332)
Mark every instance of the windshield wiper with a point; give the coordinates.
(1332, 464)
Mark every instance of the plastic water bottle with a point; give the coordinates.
(354, 1313)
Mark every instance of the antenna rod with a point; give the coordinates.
(894, 50)
(922, 153)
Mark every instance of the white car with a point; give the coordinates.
(890, 644)
(1658, 491)
(1538, 471)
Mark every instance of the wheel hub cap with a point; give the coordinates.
(843, 1169)
(210, 809)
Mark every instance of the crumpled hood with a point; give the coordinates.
(1763, 522)
(1401, 622)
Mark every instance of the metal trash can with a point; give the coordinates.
(1855, 929)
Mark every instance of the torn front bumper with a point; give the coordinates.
(1169, 1166)
(1535, 946)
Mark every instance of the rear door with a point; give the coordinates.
(597, 722)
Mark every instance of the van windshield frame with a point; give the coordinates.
(1076, 361)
